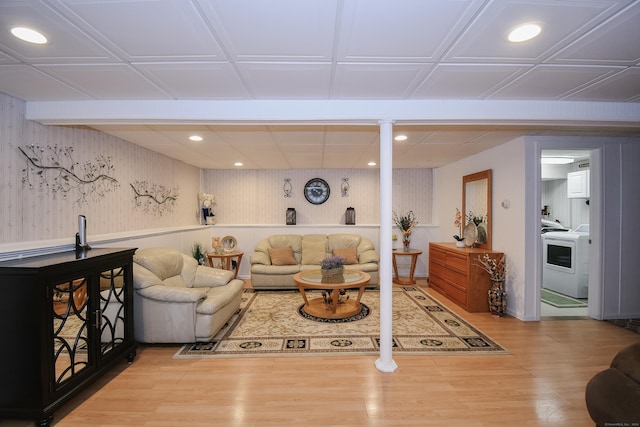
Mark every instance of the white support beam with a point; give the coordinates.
(385, 362)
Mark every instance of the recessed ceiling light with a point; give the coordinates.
(371, 163)
(524, 32)
(196, 138)
(238, 164)
(28, 35)
(556, 160)
(401, 138)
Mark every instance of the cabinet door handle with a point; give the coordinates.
(98, 319)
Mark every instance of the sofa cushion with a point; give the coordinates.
(349, 255)
(313, 251)
(282, 256)
(628, 361)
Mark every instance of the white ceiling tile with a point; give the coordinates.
(107, 81)
(210, 80)
(149, 30)
(625, 85)
(551, 81)
(406, 30)
(466, 81)
(381, 81)
(277, 30)
(25, 82)
(287, 80)
(606, 44)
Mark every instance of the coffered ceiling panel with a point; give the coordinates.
(553, 80)
(467, 80)
(275, 30)
(149, 30)
(304, 84)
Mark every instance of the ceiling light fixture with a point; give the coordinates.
(196, 138)
(29, 35)
(371, 164)
(238, 164)
(524, 32)
(556, 160)
(401, 138)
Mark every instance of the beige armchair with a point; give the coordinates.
(178, 301)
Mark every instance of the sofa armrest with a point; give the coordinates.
(260, 258)
(172, 294)
(207, 277)
(369, 256)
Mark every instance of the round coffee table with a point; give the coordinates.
(334, 309)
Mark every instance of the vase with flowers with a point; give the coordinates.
(332, 269)
(405, 223)
(208, 201)
(458, 223)
(497, 295)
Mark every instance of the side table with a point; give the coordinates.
(226, 261)
(413, 253)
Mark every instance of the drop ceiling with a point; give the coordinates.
(126, 67)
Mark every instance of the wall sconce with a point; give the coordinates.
(291, 216)
(350, 216)
(345, 187)
(287, 188)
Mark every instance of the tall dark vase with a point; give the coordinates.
(497, 298)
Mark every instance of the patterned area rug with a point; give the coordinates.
(560, 300)
(269, 324)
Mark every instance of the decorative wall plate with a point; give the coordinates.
(470, 234)
(229, 243)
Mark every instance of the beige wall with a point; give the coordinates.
(36, 214)
(257, 196)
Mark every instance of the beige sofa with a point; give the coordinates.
(178, 301)
(273, 267)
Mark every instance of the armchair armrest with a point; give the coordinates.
(173, 294)
(207, 277)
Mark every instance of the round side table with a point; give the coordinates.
(226, 261)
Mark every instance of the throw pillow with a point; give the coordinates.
(349, 254)
(313, 252)
(282, 256)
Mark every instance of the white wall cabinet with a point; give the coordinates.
(578, 184)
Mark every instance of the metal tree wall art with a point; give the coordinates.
(55, 170)
(154, 198)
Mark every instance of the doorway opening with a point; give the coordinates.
(564, 218)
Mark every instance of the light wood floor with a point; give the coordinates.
(541, 383)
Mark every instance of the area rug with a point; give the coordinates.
(270, 323)
(560, 300)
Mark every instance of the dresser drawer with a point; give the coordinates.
(456, 261)
(436, 270)
(437, 255)
(456, 278)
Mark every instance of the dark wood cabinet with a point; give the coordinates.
(456, 273)
(67, 318)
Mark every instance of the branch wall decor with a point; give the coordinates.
(57, 171)
(154, 198)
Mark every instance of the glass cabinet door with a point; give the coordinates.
(112, 309)
(70, 329)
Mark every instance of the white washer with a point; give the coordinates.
(565, 258)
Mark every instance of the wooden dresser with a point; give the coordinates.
(456, 273)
